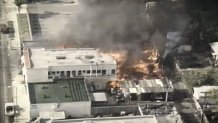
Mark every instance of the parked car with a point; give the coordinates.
(9, 109)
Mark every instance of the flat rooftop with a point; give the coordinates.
(43, 58)
(23, 25)
(199, 91)
(128, 119)
(144, 86)
(48, 20)
(198, 60)
(214, 47)
(59, 91)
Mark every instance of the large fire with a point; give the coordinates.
(131, 65)
(143, 66)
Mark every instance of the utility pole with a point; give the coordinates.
(140, 110)
(167, 93)
(167, 89)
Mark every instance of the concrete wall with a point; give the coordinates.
(41, 74)
(76, 109)
(37, 75)
(107, 110)
(73, 109)
(107, 67)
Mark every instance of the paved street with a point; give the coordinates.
(2, 116)
(5, 78)
(6, 95)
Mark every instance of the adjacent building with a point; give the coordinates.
(214, 47)
(45, 65)
(148, 90)
(127, 119)
(205, 99)
(55, 80)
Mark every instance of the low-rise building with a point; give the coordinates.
(68, 96)
(56, 80)
(126, 119)
(45, 65)
(199, 92)
(148, 89)
(205, 100)
(214, 47)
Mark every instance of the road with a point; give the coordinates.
(2, 116)
(5, 81)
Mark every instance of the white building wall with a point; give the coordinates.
(41, 74)
(76, 109)
(73, 109)
(107, 67)
(37, 75)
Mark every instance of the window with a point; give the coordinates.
(93, 71)
(98, 71)
(73, 73)
(49, 73)
(57, 72)
(53, 72)
(113, 71)
(50, 77)
(103, 72)
(62, 73)
(60, 57)
(68, 73)
(88, 71)
(79, 73)
(84, 71)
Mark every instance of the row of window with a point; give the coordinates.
(78, 73)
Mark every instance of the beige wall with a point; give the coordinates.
(74, 109)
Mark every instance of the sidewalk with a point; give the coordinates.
(20, 97)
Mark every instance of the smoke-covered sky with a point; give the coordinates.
(106, 24)
(118, 25)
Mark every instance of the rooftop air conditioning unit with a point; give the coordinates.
(89, 56)
(60, 57)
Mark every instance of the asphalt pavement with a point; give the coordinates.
(2, 115)
(5, 81)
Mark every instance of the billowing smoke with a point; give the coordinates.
(121, 25)
(175, 38)
(131, 27)
(106, 24)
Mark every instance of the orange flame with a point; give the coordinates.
(144, 67)
(112, 84)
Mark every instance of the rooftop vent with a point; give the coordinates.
(78, 57)
(60, 57)
(89, 56)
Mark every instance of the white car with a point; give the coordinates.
(9, 109)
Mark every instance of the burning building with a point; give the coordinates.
(118, 28)
(56, 79)
(144, 66)
(144, 63)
